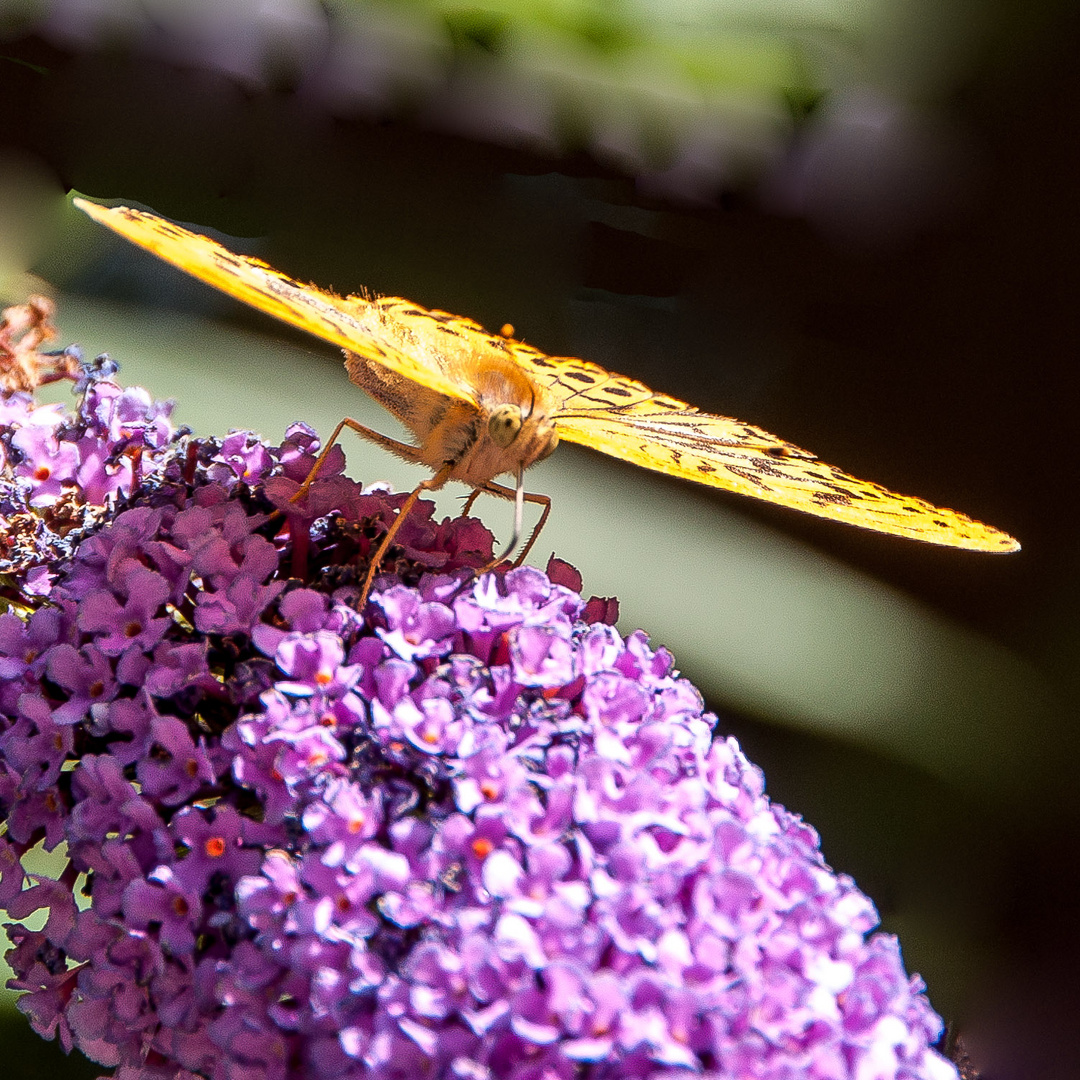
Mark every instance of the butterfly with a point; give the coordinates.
(484, 405)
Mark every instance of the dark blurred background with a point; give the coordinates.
(853, 224)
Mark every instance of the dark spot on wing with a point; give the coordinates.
(748, 475)
(831, 498)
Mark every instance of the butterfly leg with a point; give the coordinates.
(519, 495)
(473, 496)
(526, 496)
(539, 500)
(430, 484)
(402, 450)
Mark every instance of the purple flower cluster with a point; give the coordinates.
(469, 832)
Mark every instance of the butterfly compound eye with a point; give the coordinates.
(504, 425)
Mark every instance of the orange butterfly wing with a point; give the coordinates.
(624, 418)
(353, 323)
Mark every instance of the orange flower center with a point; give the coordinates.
(482, 847)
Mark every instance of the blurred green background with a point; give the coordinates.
(853, 224)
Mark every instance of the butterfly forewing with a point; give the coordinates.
(349, 322)
(624, 418)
